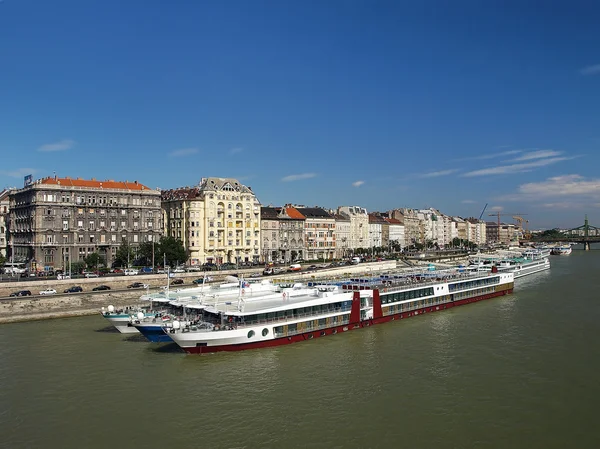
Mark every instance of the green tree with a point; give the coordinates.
(77, 267)
(144, 254)
(2, 259)
(93, 260)
(124, 255)
(172, 249)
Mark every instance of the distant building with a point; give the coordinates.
(57, 220)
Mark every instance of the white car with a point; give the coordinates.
(130, 272)
(90, 275)
(48, 291)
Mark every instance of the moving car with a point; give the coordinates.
(21, 293)
(177, 281)
(48, 291)
(137, 285)
(74, 289)
(100, 288)
(201, 280)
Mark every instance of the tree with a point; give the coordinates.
(172, 249)
(124, 254)
(2, 259)
(93, 260)
(144, 254)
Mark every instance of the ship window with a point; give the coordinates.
(265, 332)
(250, 334)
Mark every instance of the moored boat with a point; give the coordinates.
(286, 317)
(562, 250)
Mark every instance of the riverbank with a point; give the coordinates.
(41, 307)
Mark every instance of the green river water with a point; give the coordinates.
(520, 371)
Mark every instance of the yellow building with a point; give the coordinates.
(218, 221)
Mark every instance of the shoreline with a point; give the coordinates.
(39, 307)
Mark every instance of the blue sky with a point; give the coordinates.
(380, 104)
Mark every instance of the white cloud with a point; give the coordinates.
(497, 208)
(468, 202)
(358, 183)
(539, 154)
(61, 145)
(298, 177)
(19, 172)
(435, 174)
(183, 152)
(590, 70)
(236, 150)
(492, 155)
(558, 187)
(516, 168)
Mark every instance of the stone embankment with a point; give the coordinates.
(37, 307)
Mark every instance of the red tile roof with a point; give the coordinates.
(294, 213)
(94, 184)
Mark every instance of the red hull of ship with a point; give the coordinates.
(340, 329)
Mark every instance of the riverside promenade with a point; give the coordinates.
(62, 305)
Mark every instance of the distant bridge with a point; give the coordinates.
(584, 234)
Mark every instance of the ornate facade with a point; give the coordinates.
(218, 221)
(57, 220)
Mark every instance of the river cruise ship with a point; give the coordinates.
(294, 315)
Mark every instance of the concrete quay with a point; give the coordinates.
(39, 307)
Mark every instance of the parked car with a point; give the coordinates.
(130, 272)
(74, 289)
(63, 276)
(89, 274)
(21, 293)
(228, 266)
(48, 291)
(209, 267)
(100, 288)
(137, 285)
(177, 281)
(145, 270)
(179, 270)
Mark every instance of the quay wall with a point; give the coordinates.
(38, 307)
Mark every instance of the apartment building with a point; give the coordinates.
(396, 232)
(218, 221)
(57, 220)
(183, 218)
(319, 232)
(378, 236)
(413, 230)
(359, 226)
(282, 232)
(4, 208)
(343, 234)
(504, 234)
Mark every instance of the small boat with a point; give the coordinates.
(562, 250)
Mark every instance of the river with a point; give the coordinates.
(514, 372)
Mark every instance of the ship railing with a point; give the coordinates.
(300, 316)
(308, 328)
(297, 316)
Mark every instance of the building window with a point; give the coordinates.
(135, 238)
(65, 225)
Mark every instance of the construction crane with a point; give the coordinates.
(524, 229)
(481, 214)
(498, 215)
